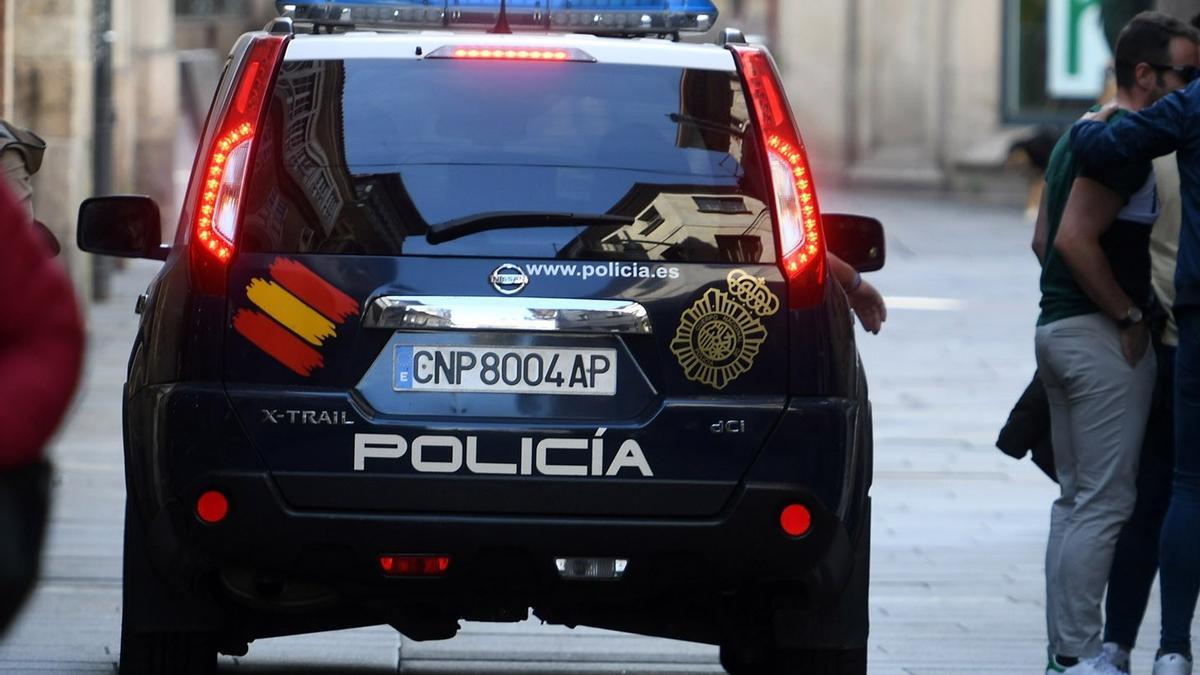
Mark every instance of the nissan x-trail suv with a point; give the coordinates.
(472, 313)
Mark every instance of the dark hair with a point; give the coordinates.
(1147, 39)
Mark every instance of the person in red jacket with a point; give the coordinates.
(41, 353)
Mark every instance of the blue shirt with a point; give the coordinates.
(1170, 125)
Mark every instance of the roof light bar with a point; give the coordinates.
(618, 17)
(394, 13)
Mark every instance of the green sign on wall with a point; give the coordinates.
(1077, 50)
(1055, 56)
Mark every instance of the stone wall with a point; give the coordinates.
(898, 90)
(892, 89)
(220, 32)
(49, 45)
(151, 101)
(47, 67)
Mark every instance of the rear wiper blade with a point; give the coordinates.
(506, 220)
(735, 130)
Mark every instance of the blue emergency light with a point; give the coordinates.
(621, 17)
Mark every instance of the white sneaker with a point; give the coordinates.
(1173, 664)
(1094, 666)
(1116, 655)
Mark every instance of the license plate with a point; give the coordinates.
(505, 370)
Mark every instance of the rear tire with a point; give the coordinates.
(775, 661)
(743, 661)
(164, 628)
(822, 662)
(176, 653)
(829, 640)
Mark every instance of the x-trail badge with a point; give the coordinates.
(509, 279)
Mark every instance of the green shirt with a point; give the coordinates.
(1126, 243)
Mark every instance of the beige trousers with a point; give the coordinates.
(1098, 410)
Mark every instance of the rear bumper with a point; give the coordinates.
(505, 559)
(512, 558)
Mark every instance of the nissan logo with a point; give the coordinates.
(509, 279)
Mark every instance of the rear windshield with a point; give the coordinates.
(363, 157)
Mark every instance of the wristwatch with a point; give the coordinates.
(1132, 315)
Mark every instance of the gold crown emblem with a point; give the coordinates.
(752, 292)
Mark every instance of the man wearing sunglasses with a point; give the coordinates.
(1092, 345)
(1186, 74)
(1173, 124)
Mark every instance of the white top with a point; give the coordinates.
(1143, 207)
(1164, 241)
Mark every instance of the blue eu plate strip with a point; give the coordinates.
(402, 375)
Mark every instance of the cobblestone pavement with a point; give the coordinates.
(959, 528)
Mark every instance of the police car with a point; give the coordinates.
(476, 310)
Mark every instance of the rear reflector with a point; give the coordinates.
(212, 507)
(543, 54)
(414, 565)
(591, 568)
(795, 520)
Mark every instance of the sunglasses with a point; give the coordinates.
(1185, 73)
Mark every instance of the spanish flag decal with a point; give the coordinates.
(299, 312)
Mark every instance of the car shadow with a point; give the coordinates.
(303, 669)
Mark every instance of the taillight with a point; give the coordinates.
(797, 214)
(221, 194)
(218, 209)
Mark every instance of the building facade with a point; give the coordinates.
(909, 92)
(216, 24)
(101, 81)
(932, 93)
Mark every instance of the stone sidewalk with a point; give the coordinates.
(959, 528)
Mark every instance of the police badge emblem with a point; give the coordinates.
(720, 335)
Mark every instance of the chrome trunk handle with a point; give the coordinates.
(456, 313)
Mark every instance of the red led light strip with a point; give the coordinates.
(214, 175)
(510, 54)
(799, 257)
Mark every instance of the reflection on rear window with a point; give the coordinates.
(360, 157)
